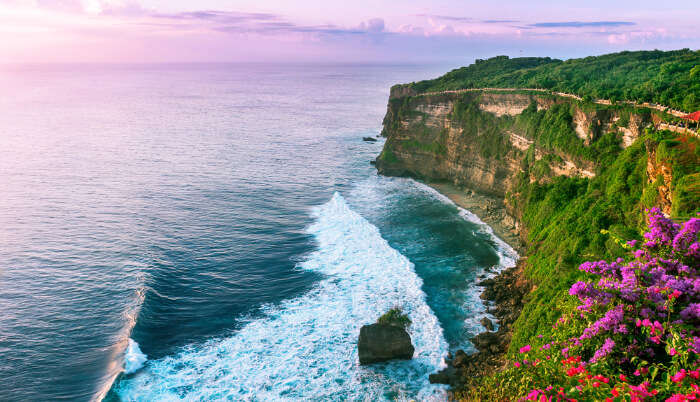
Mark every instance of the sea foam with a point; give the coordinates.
(305, 348)
(133, 357)
(507, 257)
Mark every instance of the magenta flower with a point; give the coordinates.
(604, 350)
(679, 376)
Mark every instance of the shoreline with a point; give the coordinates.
(506, 291)
(491, 210)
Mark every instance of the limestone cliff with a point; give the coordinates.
(660, 174)
(479, 140)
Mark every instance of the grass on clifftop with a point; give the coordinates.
(670, 78)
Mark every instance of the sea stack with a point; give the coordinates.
(385, 340)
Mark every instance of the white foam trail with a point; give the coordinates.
(133, 357)
(306, 348)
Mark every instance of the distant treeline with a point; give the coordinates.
(669, 78)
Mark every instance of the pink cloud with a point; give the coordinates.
(114, 30)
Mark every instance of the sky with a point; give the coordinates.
(152, 31)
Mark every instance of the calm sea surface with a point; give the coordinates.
(209, 232)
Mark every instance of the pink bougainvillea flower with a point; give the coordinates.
(679, 376)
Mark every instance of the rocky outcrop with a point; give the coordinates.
(505, 104)
(400, 91)
(382, 342)
(662, 174)
(486, 323)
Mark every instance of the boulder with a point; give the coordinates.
(381, 342)
(461, 359)
(484, 340)
(369, 139)
(446, 376)
(487, 323)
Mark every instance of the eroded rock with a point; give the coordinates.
(380, 342)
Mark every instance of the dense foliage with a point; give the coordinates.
(481, 130)
(570, 220)
(669, 78)
(633, 334)
(395, 317)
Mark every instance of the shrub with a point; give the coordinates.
(395, 317)
(632, 333)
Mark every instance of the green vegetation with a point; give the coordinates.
(630, 332)
(686, 199)
(434, 147)
(669, 78)
(387, 155)
(570, 220)
(551, 129)
(482, 130)
(395, 317)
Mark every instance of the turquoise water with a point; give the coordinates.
(207, 232)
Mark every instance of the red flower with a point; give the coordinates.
(679, 376)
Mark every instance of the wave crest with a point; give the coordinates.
(133, 357)
(306, 347)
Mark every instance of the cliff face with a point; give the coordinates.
(570, 174)
(660, 175)
(432, 137)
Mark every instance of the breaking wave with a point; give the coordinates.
(305, 348)
(133, 357)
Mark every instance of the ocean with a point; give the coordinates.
(216, 232)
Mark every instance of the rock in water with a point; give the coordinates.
(369, 139)
(488, 324)
(380, 342)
